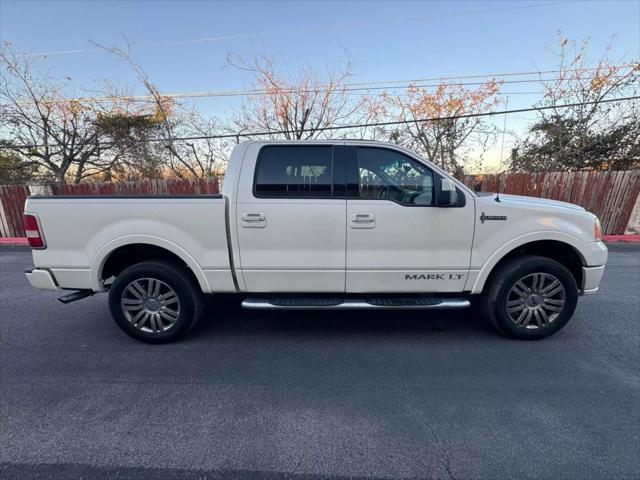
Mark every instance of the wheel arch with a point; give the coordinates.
(563, 248)
(126, 251)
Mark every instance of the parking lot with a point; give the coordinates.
(315, 395)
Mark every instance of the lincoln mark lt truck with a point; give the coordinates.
(320, 225)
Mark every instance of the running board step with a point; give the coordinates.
(417, 303)
(75, 296)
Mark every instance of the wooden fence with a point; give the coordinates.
(12, 197)
(610, 195)
(143, 187)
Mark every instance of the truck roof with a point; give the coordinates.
(320, 141)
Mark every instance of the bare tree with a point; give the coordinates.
(46, 131)
(296, 106)
(210, 153)
(452, 133)
(163, 106)
(592, 133)
(185, 158)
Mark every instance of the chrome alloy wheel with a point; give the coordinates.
(150, 305)
(535, 300)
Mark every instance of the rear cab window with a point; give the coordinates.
(294, 171)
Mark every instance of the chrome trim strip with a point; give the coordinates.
(354, 304)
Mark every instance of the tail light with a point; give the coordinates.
(32, 229)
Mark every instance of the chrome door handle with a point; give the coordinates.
(363, 220)
(254, 217)
(254, 220)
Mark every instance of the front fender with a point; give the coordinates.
(591, 254)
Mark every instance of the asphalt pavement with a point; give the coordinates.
(319, 395)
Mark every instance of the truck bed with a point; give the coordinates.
(82, 231)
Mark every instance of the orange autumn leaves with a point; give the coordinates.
(445, 101)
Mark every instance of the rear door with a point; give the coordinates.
(398, 239)
(291, 226)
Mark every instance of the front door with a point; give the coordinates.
(291, 228)
(398, 240)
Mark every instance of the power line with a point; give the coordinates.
(394, 87)
(503, 74)
(405, 122)
(346, 127)
(350, 87)
(324, 90)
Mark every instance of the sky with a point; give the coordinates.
(183, 45)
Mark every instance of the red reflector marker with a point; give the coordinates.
(32, 230)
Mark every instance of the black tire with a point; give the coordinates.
(499, 291)
(183, 311)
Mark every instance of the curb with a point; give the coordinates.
(605, 238)
(621, 238)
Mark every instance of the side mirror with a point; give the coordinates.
(447, 195)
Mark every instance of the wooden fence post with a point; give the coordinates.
(44, 189)
(633, 226)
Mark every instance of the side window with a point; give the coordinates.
(388, 175)
(296, 171)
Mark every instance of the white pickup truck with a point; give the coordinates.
(320, 225)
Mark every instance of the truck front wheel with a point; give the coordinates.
(155, 302)
(530, 297)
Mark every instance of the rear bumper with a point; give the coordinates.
(43, 279)
(591, 277)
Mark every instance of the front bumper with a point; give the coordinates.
(592, 274)
(591, 277)
(43, 279)
(598, 252)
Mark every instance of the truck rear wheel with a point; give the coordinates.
(530, 297)
(155, 302)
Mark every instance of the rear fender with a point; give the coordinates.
(103, 253)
